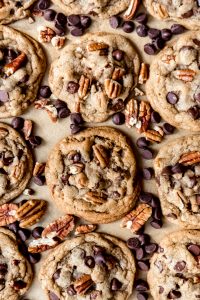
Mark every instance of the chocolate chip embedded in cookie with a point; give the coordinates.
(173, 87)
(99, 8)
(93, 175)
(22, 65)
(93, 266)
(16, 164)
(13, 10)
(174, 270)
(184, 12)
(15, 271)
(95, 75)
(177, 170)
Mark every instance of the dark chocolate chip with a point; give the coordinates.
(151, 248)
(133, 243)
(144, 238)
(146, 197)
(147, 173)
(157, 213)
(180, 266)
(142, 142)
(117, 105)
(45, 91)
(24, 234)
(34, 258)
(142, 30)
(177, 29)
(37, 231)
(168, 128)
(56, 275)
(142, 296)
(166, 34)
(86, 21)
(4, 96)
(60, 104)
(166, 170)
(128, 26)
(146, 153)
(49, 14)
(172, 98)
(3, 269)
(139, 253)
(153, 33)
(99, 258)
(115, 284)
(155, 117)
(73, 20)
(19, 285)
(14, 226)
(141, 285)
(35, 141)
(61, 19)
(194, 112)
(174, 294)
(76, 118)
(115, 21)
(90, 262)
(63, 112)
(118, 118)
(188, 14)
(157, 224)
(161, 289)
(60, 30)
(150, 49)
(71, 291)
(72, 87)
(159, 43)
(143, 265)
(39, 180)
(118, 55)
(75, 128)
(141, 18)
(177, 169)
(194, 249)
(17, 123)
(53, 296)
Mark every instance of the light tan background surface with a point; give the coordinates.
(51, 133)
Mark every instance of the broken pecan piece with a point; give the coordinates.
(59, 228)
(97, 46)
(101, 155)
(31, 212)
(42, 244)
(131, 113)
(144, 73)
(38, 168)
(162, 11)
(15, 64)
(137, 217)
(118, 73)
(112, 88)
(27, 128)
(85, 228)
(185, 75)
(131, 10)
(190, 158)
(95, 198)
(8, 213)
(45, 34)
(84, 84)
(82, 284)
(144, 116)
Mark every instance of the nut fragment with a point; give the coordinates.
(27, 128)
(15, 64)
(86, 228)
(112, 88)
(97, 46)
(190, 158)
(185, 75)
(38, 168)
(8, 213)
(58, 41)
(40, 104)
(131, 113)
(45, 34)
(137, 217)
(59, 228)
(162, 11)
(118, 73)
(130, 12)
(154, 135)
(42, 244)
(76, 168)
(3, 133)
(84, 84)
(31, 212)
(101, 155)
(138, 92)
(144, 73)
(95, 198)
(144, 116)
(82, 284)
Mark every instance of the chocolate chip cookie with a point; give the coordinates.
(11, 10)
(173, 87)
(22, 65)
(93, 175)
(182, 11)
(99, 8)
(177, 170)
(15, 271)
(16, 164)
(174, 270)
(95, 75)
(92, 266)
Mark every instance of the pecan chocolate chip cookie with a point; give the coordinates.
(22, 64)
(100, 8)
(11, 10)
(174, 270)
(177, 169)
(182, 11)
(93, 175)
(15, 270)
(16, 164)
(93, 266)
(174, 84)
(95, 75)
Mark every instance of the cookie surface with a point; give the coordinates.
(16, 273)
(93, 175)
(184, 12)
(100, 8)
(13, 10)
(22, 65)
(174, 271)
(177, 170)
(92, 266)
(95, 75)
(16, 164)
(173, 87)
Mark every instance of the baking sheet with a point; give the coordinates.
(51, 133)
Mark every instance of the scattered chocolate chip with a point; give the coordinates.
(142, 142)
(63, 112)
(99, 258)
(117, 105)
(45, 91)
(34, 258)
(35, 141)
(43, 4)
(177, 29)
(142, 30)
(77, 31)
(146, 153)
(157, 224)
(139, 253)
(53, 296)
(60, 104)
(71, 291)
(153, 33)
(39, 180)
(49, 14)
(118, 54)
(133, 243)
(150, 49)
(17, 123)
(145, 197)
(177, 169)
(73, 20)
(115, 21)
(4, 96)
(168, 128)
(14, 226)
(194, 112)
(159, 43)
(166, 170)
(37, 231)
(174, 294)
(61, 19)
(86, 21)
(194, 249)
(166, 34)
(155, 202)
(151, 248)
(142, 296)
(3, 269)
(115, 284)
(72, 87)
(157, 213)
(60, 31)
(161, 289)
(147, 173)
(19, 285)
(75, 128)
(76, 118)
(172, 98)
(180, 266)
(155, 117)
(90, 262)
(24, 234)
(128, 26)
(144, 238)
(56, 275)
(143, 265)
(118, 118)
(141, 285)
(188, 14)
(141, 18)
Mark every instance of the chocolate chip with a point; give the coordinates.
(147, 173)
(144, 238)
(61, 19)
(34, 258)
(194, 112)
(151, 248)
(150, 49)
(63, 112)
(155, 202)
(99, 258)
(73, 20)
(37, 231)
(43, 4)
(72, 87)
(49, 14)
(180, 266)
(56, 275)
(115, 284)
(166, 34)
(35, 141)
(142, 296)
(60, 104)
(76, 118)
(3, 269)
(139, 253)
(143, 265)
(153, 33)
(197, 97)
(115, 21)
(141, 285)
(117, 105)
(177, 29)
(155, 117)
(19, 285)
(196, 42)
(157, 224)
(71, 291)
(75, 128)
(14, 226)
(45, 91)
(118, 118)
(39, 180)
(128, 26)
(157, 213)
(142, 142)
(168, 128)
(118, 55)
(161, 289)
(194, 249)
(172, 98)
(145, 197)
(166, 171)
(142, 30)
(77, 32)
(24, 234)
(86, 21)
(133, 243)
(4, 97)
(146, 153)
(159, 43)
(174, 294)
(177, 169)
(17, 123)
(141, 18)
(60, 30)
(53, 296)
(90, 262)
(188, 14)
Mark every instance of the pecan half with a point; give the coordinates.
(190, 158)
(84, 84)
(31, 212)
(61, 227)
(38, 168)
(85, 228)
(131, 10)
(154, 135)
(144, 116)
(144, 73)
(101, 155)
(162, 11)
(15, 64)
(112, 88)
(131, 113)
(42, 244)
(94, 197)
(45, 34)
(118, 73)
(137, 217)
(27, 128)
(97, 46)
(82, 284)
(185, 75)
(8, 213)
